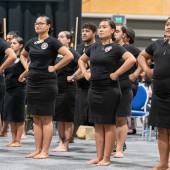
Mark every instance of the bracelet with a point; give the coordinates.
(74, 75)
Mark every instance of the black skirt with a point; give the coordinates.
(81, 114)
(14, 104)
(2, 93)
(125, 105)
(160, 106)
(65, 103)
(104, 97)
(41, 92)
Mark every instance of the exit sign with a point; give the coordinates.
(119, 19)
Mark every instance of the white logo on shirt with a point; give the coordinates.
(59, 56)
(17, 60)
(107, 49)
(44, 46)
(84, 50)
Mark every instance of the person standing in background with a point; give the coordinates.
(4, 50)
(66, 97)
(9, 38)
(11, 35)
(14, 102)
(125, 106)
(129, 38)
(81, 107)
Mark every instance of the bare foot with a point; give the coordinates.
(56, 149)
(16, 144)
(60, 149)
(168, 160)
(9, 144)
(118, 155)
(23, 137)
(32, 155)
(103, 163)
(42, 155)
(159, 168)
(3, 134)
(94, 161)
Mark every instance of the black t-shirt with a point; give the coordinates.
(160, 50)
(3, 46)
(12, 74)
(104, 59)
(82, 48)
(124, 78)
(82, 83)
(42, 53)
(69, 69)
(132, 49)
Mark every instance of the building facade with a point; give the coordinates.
(146, 17)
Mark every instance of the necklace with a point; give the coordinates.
(40, 41)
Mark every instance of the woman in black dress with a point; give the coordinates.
(14, 102)
(42, 83)
(160, 110)
(104, 93)
(4, 50)
(65, 103)
(9, 38)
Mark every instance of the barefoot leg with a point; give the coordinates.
(99, 138)
(38, 135)
(47, 136)
(23, 137)
(74, 133)
(67, 135)
(121, 133)
(61, 129)
(20, 127)
(14, 133)
(110, 136)
(163, 145)
(65, 131)
(4, 129)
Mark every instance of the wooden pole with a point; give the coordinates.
(75, 44)
(4, 22)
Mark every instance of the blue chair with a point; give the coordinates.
(139, 103)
